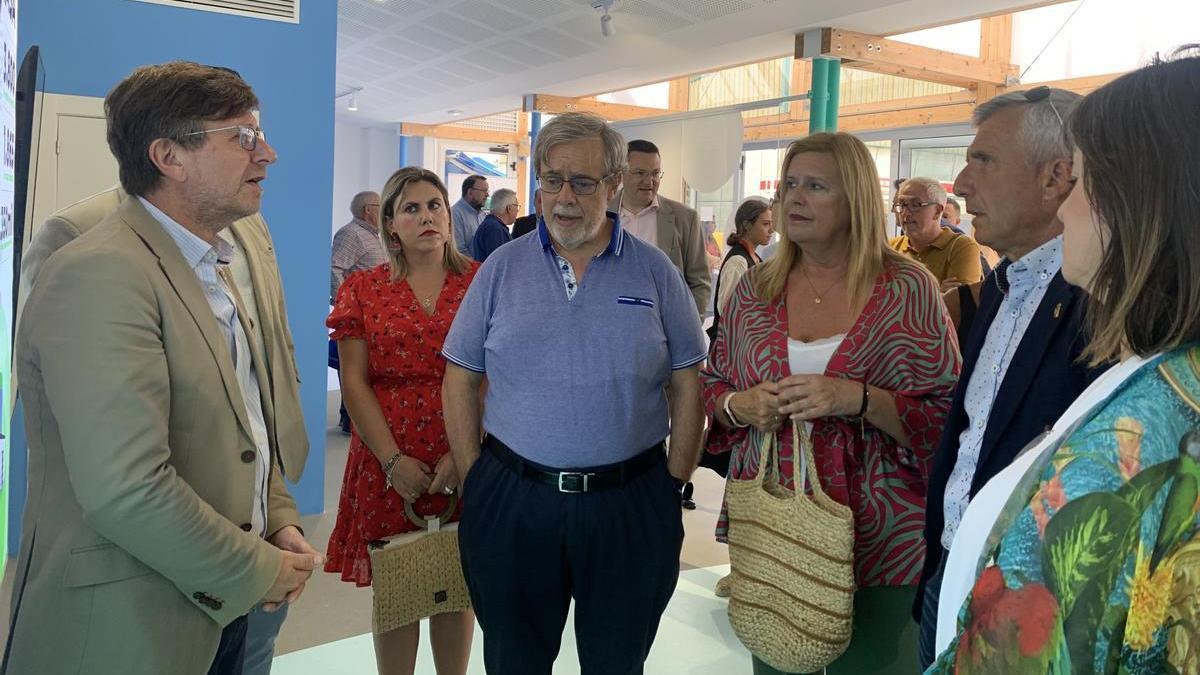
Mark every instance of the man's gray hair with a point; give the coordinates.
(502, 198)
(360, 201)
(578, 126)
(1043, 136)
(933, 189)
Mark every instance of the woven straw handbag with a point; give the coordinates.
(792, 557)
(418, 574)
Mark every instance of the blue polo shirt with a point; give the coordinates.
(576, 372)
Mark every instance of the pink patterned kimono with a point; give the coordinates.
(902, 342)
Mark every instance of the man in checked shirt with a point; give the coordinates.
(356, 246)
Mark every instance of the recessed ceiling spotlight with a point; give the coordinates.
(454, 112)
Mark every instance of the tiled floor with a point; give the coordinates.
(694, 638)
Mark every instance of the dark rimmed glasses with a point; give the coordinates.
(248, 136)
(580, 185)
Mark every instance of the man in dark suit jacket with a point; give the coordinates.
(526, 224)
(1021, 366)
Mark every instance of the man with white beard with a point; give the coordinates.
(579, 501)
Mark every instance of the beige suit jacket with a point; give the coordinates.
(252, 233)
(680, 237)
(141, 464)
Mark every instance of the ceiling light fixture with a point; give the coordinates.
(454, 112)
(352, 92)
(607, 29)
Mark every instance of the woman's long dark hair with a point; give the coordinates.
(1139, 136)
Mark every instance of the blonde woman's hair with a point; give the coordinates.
(393, 189)
(869, 249)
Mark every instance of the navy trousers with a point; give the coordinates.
(528, 550)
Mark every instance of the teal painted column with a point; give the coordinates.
(834, 88)
(819, 95)
(824, 95)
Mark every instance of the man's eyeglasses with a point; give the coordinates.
(483, 190)
(639, 174)
(248, 137)
(910, 206)
(1039, 94)
(580, 185)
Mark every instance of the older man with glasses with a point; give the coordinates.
(953, 258)
(571, 496)
(1021, 360)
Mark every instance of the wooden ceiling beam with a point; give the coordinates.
(892, 57)
(550, 103)
(454, 133)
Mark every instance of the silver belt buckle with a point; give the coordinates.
(573, 482)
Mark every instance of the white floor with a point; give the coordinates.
(694, 638)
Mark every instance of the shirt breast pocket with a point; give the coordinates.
(635, 301)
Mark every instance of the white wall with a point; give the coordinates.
(363, 159)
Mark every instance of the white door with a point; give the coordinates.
(73, 160)
(85, 166)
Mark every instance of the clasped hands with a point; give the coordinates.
(411, 477)
(300, 559)
(802, 397)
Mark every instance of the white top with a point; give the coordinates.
(981, 514)
(811, 358)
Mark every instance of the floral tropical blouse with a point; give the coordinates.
(1098, 569)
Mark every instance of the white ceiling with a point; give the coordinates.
(418, 59)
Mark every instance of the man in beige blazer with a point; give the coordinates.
(157, 516)
(265, 301)
(666, 223)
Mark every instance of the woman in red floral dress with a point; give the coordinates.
(389, 323)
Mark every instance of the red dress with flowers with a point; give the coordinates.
(405, 368)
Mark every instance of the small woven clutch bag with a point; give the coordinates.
(418, 574)
(792, 558)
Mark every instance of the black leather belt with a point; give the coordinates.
(578, 480)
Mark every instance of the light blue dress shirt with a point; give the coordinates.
(465, 219)
(1028, 279)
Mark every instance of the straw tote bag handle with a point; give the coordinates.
(801, 443)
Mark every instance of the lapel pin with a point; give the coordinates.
(1058, 310)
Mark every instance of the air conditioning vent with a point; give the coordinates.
(274, 10)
